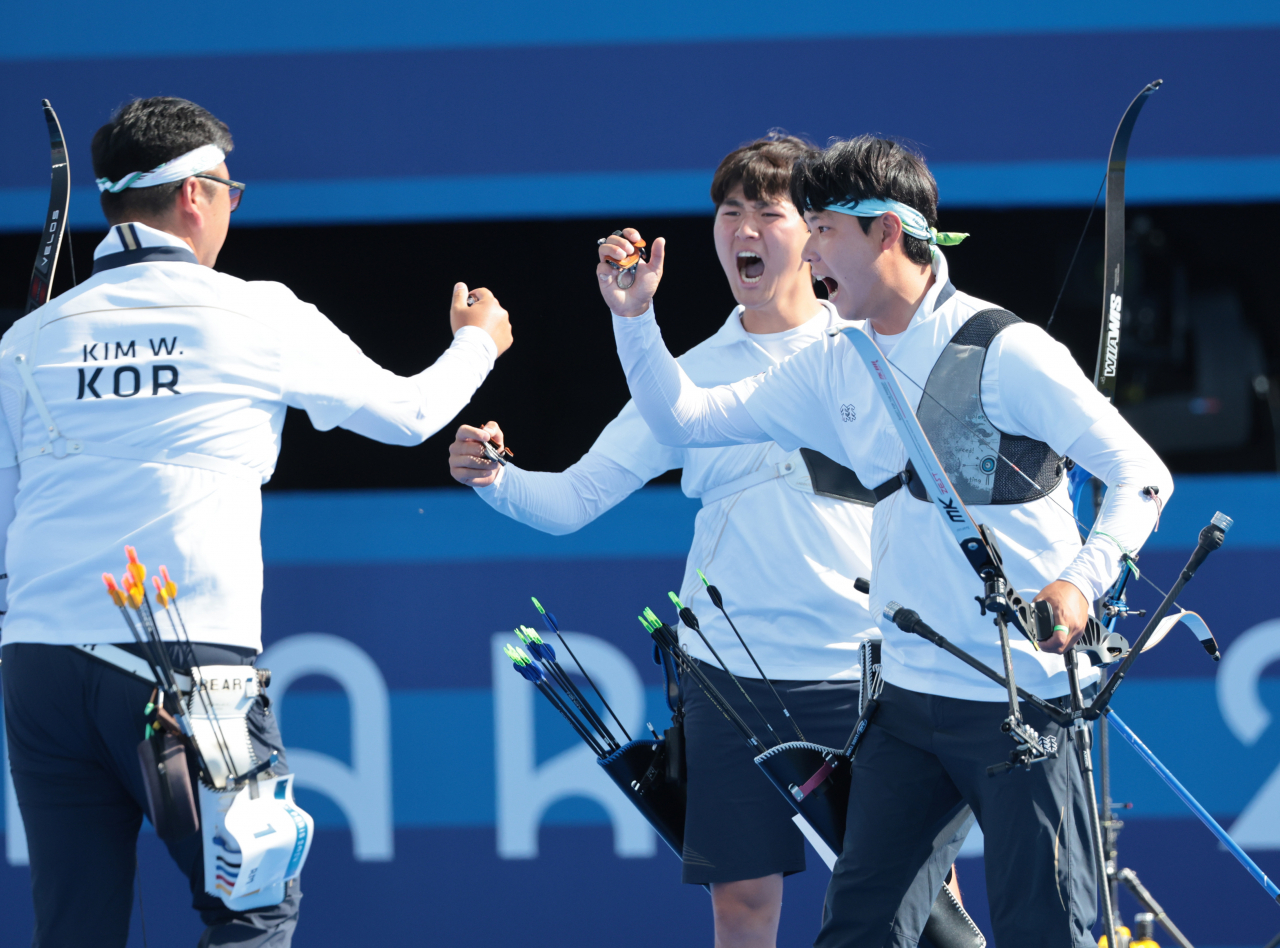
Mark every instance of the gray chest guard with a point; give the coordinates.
(971, 449)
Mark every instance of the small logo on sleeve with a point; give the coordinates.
(848, 413)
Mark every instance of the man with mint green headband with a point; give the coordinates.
(986, 387)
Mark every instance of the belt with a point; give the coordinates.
(131, 664)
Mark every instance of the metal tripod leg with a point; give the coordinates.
(1083, 741)
(1145, 899)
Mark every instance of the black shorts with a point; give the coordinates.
(737, 825)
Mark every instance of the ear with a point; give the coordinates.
(892, 225)
(190, 198)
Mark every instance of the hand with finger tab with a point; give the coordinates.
(479, 307)
(467, 462)
(1071, 612)
(617, 254)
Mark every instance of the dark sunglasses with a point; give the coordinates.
(236, 187)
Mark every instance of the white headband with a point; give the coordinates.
(179, 169)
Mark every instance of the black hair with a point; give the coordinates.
(869, 167)
(144, 134)
(762, 167)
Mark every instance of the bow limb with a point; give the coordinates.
(55, 223)
(1113, 255)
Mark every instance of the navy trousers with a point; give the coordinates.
(924, 758)
(73, 725)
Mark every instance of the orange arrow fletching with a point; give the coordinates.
(170, 587)
(137, 569)
(161, 597)
(112, 589)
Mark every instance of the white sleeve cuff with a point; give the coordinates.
(474, 335)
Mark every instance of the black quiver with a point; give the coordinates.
(815, 781)
(643, 773)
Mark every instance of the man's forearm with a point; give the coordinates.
(678, 412)
(560, 503)
(1114, 453)
(407, 411)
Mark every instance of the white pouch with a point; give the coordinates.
(255, 841)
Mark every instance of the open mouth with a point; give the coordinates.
(750, 266)
(832, 286)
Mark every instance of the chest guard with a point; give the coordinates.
(971, 449)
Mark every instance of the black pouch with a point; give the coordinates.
(673, 738)
(170, 776)
(949, 925)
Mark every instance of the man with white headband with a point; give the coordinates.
(871, 207)
(145, 407)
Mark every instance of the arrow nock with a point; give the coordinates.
(716, 599)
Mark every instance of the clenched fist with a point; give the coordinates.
(483, 312)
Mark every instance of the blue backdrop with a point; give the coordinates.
(388, 110)
(498, 831)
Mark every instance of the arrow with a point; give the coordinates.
(553, 626)
(532, 673)
(718, 601)
(547, 655)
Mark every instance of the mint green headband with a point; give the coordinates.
(913, 221)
